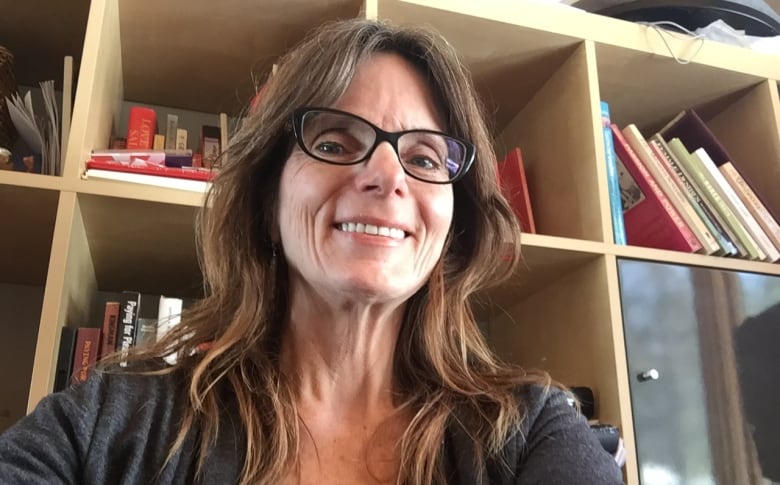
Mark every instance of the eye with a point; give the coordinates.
(424, 162)
(329, 148)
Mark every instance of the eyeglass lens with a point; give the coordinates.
(343, 139)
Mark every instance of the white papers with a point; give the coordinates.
(39, 131)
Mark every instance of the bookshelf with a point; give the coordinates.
(542, 70)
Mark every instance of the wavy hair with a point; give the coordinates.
(447, 374)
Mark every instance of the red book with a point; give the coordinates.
(189, 173)
(110, 322)
(514, 186)
(86, 353)
(650, 219)
(141, 127)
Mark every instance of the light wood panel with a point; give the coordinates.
(27, 218)
(510, 64)
(40, 33)
(749, 128)
(70, 283)
(557, 132)
(141, 245)
(204, 57)
(675, 257)
(650, 89)
(99, 91)
(555, 19)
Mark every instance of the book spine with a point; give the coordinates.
(159, 142)
(670, 180)
(168, 316)
(749, 223)
(752, 202)
(665, 182)
(171, 125)
(732, 213)
(682, 237)
(146, 332)
(181, 139)
(110, 320)
(514, 187)
(708, 191)
(687, 185)
(128, 320)
(86, 353)
(613, 183)
(141, 126)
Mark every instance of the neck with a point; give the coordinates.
(340, 356)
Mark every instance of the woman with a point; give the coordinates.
(355, 215)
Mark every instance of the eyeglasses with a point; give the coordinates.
(341, 138)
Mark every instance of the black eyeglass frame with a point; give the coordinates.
(381, 136)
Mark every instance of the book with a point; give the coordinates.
(650, 219)
(86, 352)
(185, 172)
(64, 366)
(159, 142)
(707, 192)
(67, 105)
(691, 191)
(179, 183)
(141, 127)
(181, 139)
(171, 125)
(146, 332)
(514, 186)
(653, 163)
(110, 324)
(130, 306)
(752, 202)
(765, 249)
(223, 133)
(613, 180)
(168, 316)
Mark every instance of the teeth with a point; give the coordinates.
(390, 232)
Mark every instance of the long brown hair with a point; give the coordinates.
(447, 374)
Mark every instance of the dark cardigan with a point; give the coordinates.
(116, 429)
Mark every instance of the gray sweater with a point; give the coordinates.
(117, 428)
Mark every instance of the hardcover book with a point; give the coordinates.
(514, 186)
(130, 306)
(613, 179)
(141, 127)
(86, 353)
(110, 323)
(650, 219)
(653, 164)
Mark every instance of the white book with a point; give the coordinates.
(199, 186)
(67, 106)
(168, 316)
(744, 216)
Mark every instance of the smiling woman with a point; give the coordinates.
(355, 215)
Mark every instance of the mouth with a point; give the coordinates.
(372, 229)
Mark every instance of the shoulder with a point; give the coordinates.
(555, 444)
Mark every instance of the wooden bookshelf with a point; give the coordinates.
(541, 69)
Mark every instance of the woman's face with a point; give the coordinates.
(318, 200)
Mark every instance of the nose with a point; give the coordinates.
(382, 173)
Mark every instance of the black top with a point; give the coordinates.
(117, 428)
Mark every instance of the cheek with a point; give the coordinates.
(440, 213)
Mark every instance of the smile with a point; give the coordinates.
(359, 227)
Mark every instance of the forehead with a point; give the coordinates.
(392, 93)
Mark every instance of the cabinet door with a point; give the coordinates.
(697, 343)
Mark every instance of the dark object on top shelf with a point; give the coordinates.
(755, 17)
